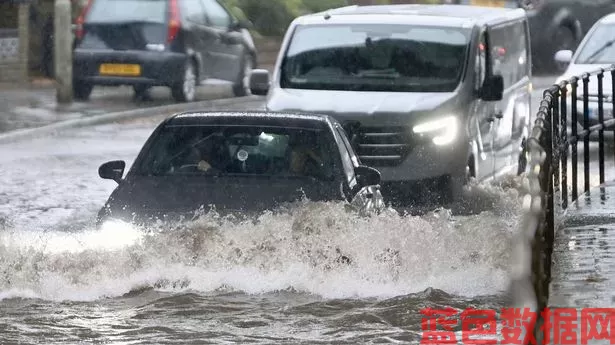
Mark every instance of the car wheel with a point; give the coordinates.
(564, 39)
(242, 87)
(82, 91)
(185, 91)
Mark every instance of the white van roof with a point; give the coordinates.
(444, 15)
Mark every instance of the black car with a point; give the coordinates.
(240, 163)
(174, 43)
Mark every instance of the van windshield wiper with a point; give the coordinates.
(598, 51)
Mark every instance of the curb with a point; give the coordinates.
(27, 133)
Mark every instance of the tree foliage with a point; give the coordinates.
(272, 17)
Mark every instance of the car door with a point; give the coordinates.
(196, 37)
(481, 111)
(509, 59)
(227, 50)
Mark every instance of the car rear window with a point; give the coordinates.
(241, 150)
(114, 11)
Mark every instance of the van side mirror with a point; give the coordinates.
(493, 88)
(113, 170)
(259, 82)
(563, 56)
(367, 176)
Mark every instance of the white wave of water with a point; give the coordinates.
(391, 254)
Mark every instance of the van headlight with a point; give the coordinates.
(443, 130)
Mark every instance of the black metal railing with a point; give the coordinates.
(564, 124)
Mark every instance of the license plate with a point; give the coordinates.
(488, 3)
(120, 69)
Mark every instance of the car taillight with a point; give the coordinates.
(174, 21)
(80, 32)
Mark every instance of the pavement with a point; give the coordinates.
(583, 271)
(35, 105)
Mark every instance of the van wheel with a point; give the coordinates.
(185, 90)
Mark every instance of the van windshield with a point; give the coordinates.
(375, 57)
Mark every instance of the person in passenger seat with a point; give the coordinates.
(304, 161)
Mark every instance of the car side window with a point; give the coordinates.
(509, 54)
(218, 16)
(192, 11)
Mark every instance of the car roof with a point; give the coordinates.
(441, 15)
(253, 118)
(608, 19)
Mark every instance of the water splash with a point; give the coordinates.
(303, 250)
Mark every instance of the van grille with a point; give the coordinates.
(381, 146)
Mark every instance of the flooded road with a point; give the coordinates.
(273, 281)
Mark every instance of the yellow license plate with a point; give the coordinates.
(488, 3)
(120, 69)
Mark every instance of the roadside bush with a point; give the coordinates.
(272, 17)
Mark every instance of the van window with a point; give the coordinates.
(480, 62)
(375, 57)
(510, 52)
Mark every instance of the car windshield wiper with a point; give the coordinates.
(598, 51)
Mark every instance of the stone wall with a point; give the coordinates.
(13, 53)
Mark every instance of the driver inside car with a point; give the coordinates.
(304, 161)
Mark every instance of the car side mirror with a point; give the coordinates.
(367, 176)
(493, 88)
(563, 56)
(113, 170)
(259, 82)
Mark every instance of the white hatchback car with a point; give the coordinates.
(596, 50)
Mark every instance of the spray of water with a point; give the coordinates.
(317, 248)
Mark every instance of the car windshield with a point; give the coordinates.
(599, 48)
(115, 11)
(241, 151)
(375, 57)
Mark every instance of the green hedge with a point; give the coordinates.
(272, 17)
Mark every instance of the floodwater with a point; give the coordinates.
(218, 281)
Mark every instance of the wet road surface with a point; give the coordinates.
(273, 281)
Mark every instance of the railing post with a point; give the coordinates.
(601, 131)
(564, 144)
(573, 125)
(613, 98)
(555, 139)
(586, 131)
